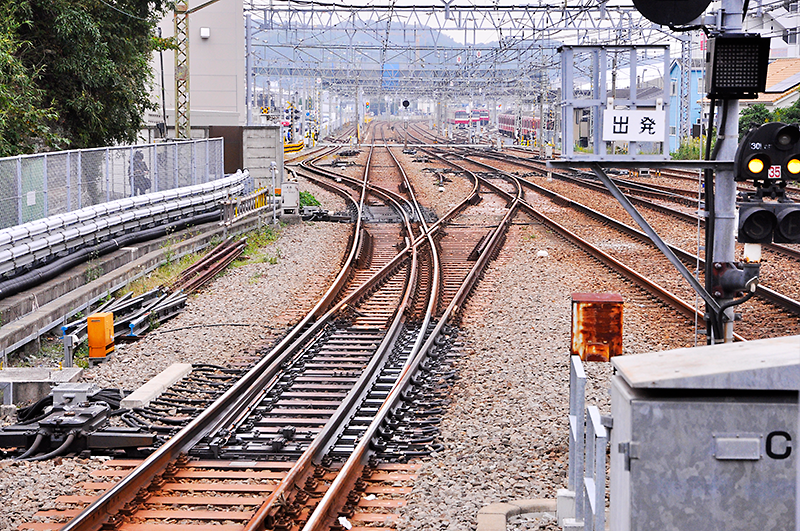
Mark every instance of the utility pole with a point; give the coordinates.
(686, 72)
(181, 19)
(248, 31)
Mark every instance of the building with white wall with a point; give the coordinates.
(779, 20)
(216, 68)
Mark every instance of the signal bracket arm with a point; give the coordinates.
(654, 237)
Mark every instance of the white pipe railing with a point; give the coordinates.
(22, 245)
(583, 506)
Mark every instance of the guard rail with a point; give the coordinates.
(239, 207)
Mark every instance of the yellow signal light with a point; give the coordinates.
(793, 166)
(755, 165)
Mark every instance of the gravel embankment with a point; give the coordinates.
(260, 293)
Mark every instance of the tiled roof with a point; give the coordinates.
(783, 76)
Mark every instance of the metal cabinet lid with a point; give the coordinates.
(766, 364)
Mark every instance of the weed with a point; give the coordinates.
(80, 357)
(93, 272)
(169, 251)
(256, 240)
(154, 322)
(161, 275)
(308, 199)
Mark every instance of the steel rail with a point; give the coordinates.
(327, 508)
(690, 218)
(435, 267)
(659, 292)
(763, 292)
(222, 410)
(302, 469)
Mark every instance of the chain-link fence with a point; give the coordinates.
(38, 186)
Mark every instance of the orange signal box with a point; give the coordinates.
(596, 326)
(101, 335)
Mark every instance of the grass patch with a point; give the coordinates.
(256, 240)
(308, 199)
(161, 275)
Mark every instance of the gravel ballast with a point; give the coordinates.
(266, 296)
(504, 431)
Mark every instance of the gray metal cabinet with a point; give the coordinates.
(705, 438)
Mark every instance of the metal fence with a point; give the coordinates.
(38, 186)
(588, 440)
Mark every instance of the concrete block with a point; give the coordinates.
(152, 389)
(565, 501)
(494, 517)
(536, 505)
(570, 524)
(491, 522)
(29, 384)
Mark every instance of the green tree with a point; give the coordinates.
(789, 115)
(753, 116)
(24, 119)
(92, 59)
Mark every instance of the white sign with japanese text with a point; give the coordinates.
(634, 126)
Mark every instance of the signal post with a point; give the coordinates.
(724, 245)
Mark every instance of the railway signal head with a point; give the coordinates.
(767, 222)
(671, 12)
(769, 155)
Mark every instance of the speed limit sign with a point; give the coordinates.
(774, 172)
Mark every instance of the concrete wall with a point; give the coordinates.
(261, 144)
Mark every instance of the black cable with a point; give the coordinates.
(58, 266)
(35, 446)
(35, 412)
(708, 184)
(58, 451)
(716, 325)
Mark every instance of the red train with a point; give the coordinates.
(480, 116)
(460, 119)
(528, 127)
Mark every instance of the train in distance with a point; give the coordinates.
(528, 127)
(461, 118)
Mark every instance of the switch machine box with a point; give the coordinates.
(706, 438)
(290, 197)
(100, 327)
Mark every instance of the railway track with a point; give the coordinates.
(773, 315)
(320, 427)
